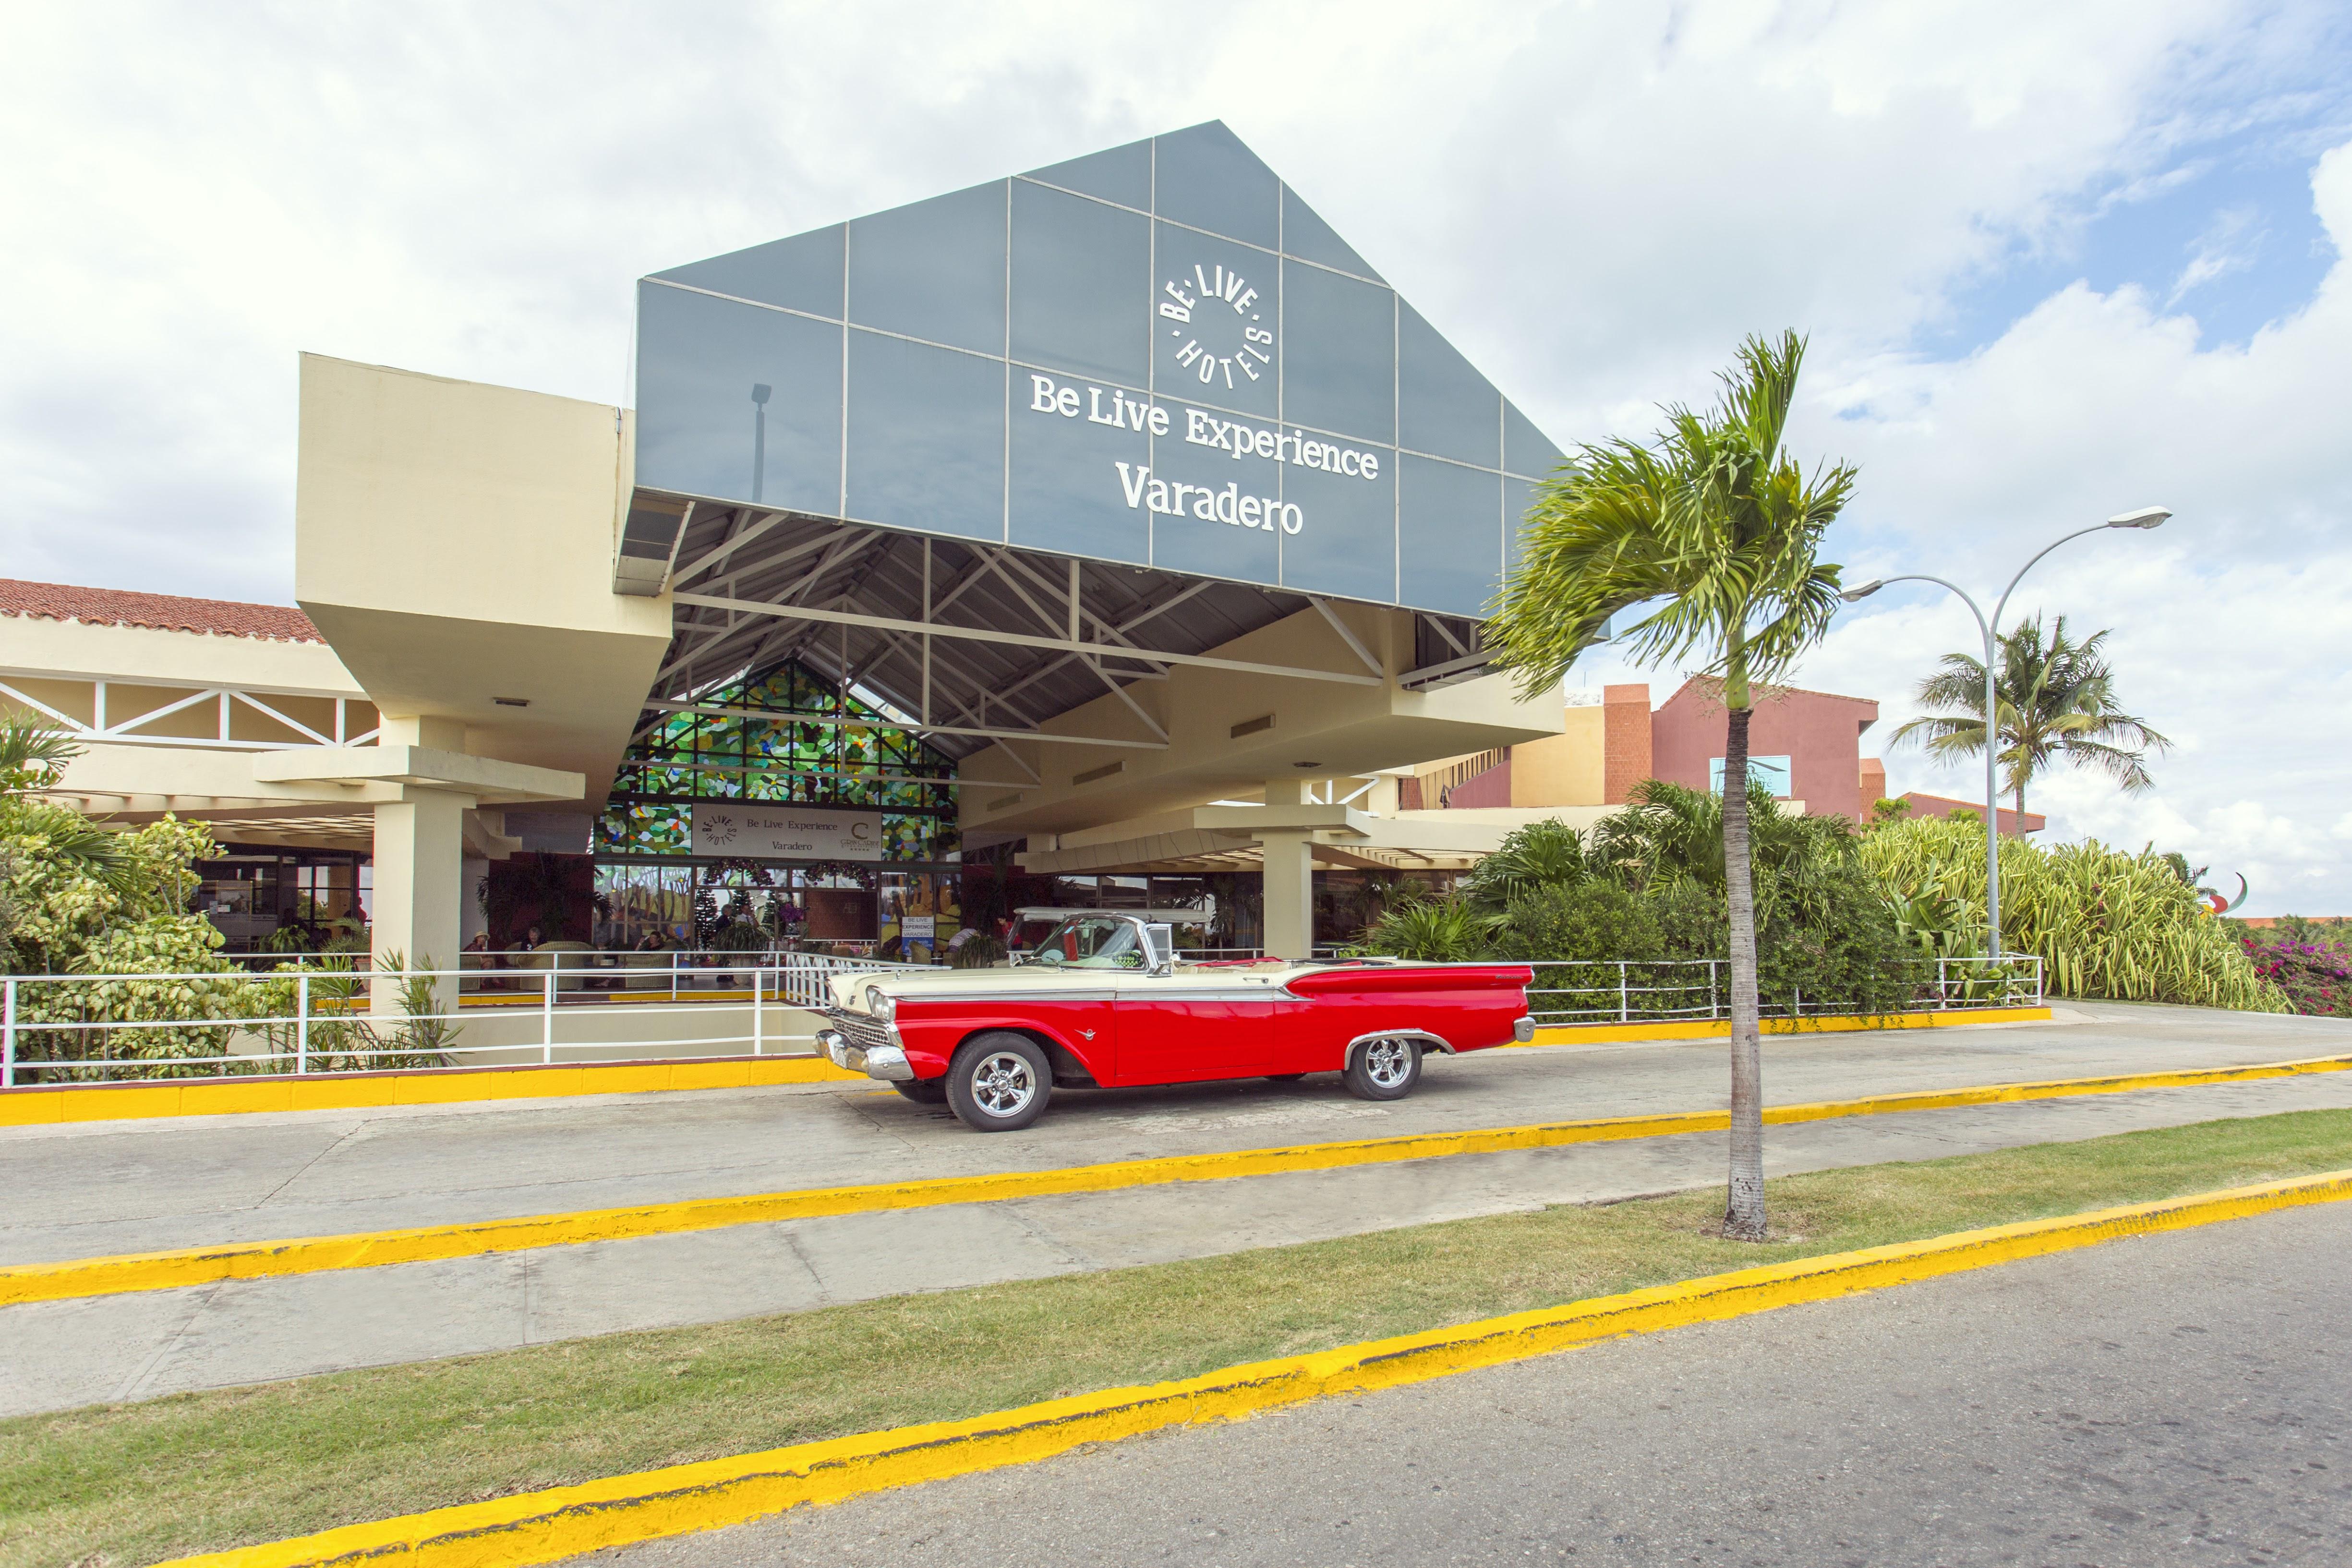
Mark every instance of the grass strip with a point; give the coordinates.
(134, 1484)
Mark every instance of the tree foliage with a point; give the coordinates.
(2104, 922)
(1711, 519)
(2056, 704)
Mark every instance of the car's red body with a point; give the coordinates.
(1136, 1029)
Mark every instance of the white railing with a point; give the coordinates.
(72, 1028)
(1630, 991)
(79, 1028)
(804, 976)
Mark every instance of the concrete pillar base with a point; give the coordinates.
(419, 858)
(1289, 906)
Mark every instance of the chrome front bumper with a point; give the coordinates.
(1523, 1030)
(862, 1044)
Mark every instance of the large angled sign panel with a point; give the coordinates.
(1156, 354)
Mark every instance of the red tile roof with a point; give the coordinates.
(157, 612)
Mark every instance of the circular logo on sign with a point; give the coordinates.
(1214, 316)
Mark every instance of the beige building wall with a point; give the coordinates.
(455, 542)
(1566, 769)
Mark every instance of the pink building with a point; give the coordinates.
(1804, 745)
(1944, 806)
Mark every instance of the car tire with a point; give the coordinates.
(1385, 1068)
(923, 1090)
(1000, 1082)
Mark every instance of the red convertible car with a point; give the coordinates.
(1105, 1004)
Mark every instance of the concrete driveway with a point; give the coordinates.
(105, 1189)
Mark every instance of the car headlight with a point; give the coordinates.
(879, 1003)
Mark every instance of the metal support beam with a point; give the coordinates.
(1348, 636)
(1015, 639)
(719, 711)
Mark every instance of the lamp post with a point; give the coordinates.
(1989, 626)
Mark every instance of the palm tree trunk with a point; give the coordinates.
(1743, 1214)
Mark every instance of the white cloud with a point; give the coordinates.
(1595, 202)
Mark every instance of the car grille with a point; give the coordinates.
(862, 1030)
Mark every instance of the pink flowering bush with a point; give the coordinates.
(2316, 975)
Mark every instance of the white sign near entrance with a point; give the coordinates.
(786, 832)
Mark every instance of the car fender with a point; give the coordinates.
(932, 1042)
(1430, 1039)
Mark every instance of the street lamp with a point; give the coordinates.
(2146, 517)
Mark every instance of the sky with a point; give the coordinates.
(2053, 263)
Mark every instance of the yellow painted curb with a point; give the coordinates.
(183, 1266)
(1717, 1029)
(564, 1522)
(50, 1105)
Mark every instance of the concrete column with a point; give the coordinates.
(419, 856)
(1289, 914)
(431, 732)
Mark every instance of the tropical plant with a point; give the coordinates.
(978, 951)
(323, 1019)
(1714, 519)
(33, 753)
(2056, 703)
(1544, 854)
(742, 936)
(2102, 922)
(1434, 930)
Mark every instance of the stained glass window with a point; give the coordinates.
(824, 747)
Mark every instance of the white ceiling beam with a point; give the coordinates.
(1016, 639)
(718, 711)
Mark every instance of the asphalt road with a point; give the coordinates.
(2182, 1399)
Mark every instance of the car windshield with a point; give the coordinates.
(1091, 942)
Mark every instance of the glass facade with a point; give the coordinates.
(820, 748)
(1156, 354)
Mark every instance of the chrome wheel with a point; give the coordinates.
(1386, 1067)
(999, 1082)
(1389, 1063)
(1003, 1084)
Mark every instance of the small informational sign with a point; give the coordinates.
(918, 927)
(786, 832)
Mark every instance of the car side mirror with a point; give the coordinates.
(1159, 942)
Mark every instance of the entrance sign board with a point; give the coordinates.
(1156, 354)
(785, 832)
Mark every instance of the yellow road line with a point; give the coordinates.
(50, 1105)
(183, 1266)
(1721, 1028)
(564, 1522)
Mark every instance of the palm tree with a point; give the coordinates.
(33, 758)
(33, 753)
(1716, 520)
(2057, 703)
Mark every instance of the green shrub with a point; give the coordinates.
(2104, 922)
(1593, 920)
